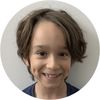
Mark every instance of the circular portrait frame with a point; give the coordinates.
(80, 73)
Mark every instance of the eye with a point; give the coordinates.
(63, 54)
(42, 53)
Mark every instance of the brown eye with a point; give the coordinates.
(42, 53)
(63, 54)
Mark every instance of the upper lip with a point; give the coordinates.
(51, 73)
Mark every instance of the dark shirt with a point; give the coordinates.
(31, 90)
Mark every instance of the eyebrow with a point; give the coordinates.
(45, 46)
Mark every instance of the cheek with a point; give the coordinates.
(35, 67)
(67, 66)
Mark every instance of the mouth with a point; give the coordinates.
(51, 76)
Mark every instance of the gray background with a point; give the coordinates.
(80, 72)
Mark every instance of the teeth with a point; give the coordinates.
(51, 75)
(48, 75)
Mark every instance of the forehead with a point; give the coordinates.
(47, 32)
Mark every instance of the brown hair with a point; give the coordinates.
(72, 32)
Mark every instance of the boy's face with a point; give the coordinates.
(50, 60)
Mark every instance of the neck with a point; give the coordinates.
(50, 93)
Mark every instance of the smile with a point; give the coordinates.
(51, 76)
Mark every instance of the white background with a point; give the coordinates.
(9, 8)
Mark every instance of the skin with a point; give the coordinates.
(50, 60)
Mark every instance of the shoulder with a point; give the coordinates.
(71, 89)
(29, 90)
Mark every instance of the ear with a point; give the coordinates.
(26, 62)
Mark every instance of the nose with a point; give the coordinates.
(52, 63)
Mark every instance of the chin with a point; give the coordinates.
(52, 84)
